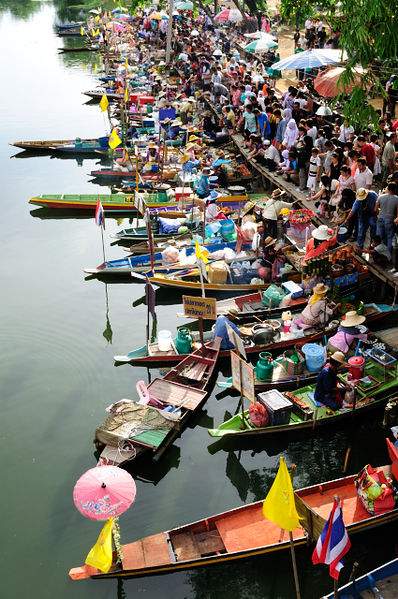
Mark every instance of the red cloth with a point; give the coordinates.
(313, 252)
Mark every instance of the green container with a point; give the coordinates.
(272, 296)
(264, 366)
(183, 341)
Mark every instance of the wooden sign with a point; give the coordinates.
(243, 377)
(199, 307)
(237, 341)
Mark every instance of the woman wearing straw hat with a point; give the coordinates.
(349, 331)
(271, 211)
(316, 312)
(328, 391)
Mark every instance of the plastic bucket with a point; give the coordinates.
(227, 227)
(164, 340)
(314, 356)
(357, 364)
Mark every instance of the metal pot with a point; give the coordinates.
(263, 334)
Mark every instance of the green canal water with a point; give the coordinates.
(58, 334)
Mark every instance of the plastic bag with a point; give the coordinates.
(258, 415)
(170, 255)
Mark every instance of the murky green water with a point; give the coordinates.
(57, 373)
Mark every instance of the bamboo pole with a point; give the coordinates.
(169, 32)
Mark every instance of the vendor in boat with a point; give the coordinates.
(152, 154)
(202, 186)
(323, 238)
(123, 164)
(350, 331)
(316, 312)
(328, 390)
(271, 211)
(212, 210)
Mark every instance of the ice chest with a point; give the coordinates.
(278, 406)
(293, 288)
(218, 273)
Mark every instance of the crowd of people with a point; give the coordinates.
(351, 176)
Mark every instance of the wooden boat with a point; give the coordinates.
(131, 265)
(97, 95)
(149, 429)
(67, 146)
(307, 414)
(381, 582)
(107, 173)
(80, 49)
(70, 32)
(150, 355)
(116, 202)
(241, 533)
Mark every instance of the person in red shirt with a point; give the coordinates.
(367, 151)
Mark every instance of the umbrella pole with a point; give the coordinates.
(169, 31)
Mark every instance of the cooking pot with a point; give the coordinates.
(263, 334)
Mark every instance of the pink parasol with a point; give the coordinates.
(328, 83)
(104, 492)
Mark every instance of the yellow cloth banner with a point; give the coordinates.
(82, 32)
(114, 140)
(126, 94)
(201, 253)
(100, 555)
(104, 103)
(126, 64)
(279, 505)
(97, 19)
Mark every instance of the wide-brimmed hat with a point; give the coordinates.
(322, 233)
(320, 289)
(247, 207)
(176, 123)
(193, 138)
(184, 158)
(362, 193)
(206, 171)
(277, 193)
(339, 357)
(269, 241)
(352, 319)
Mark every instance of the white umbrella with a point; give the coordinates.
(310, 59)
(324, 111)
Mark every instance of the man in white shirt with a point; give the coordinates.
(345, 132)
(271, 155)
(363, 175)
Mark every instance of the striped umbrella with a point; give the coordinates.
(262, 44)
(310, 59)
(233, 15)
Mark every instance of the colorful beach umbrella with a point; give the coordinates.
(310, 59)
(104, 492)
(261, 45)
(328, 84)
(232, 15)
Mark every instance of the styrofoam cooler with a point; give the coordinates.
(278, 406)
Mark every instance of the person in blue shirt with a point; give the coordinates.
(327, 390)
(364, 211)
(263, 123)
(202, 187)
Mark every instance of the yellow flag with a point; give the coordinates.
(201, 253)
(279, 505)
(100, 555)
(126, 64)
(104, 103)
(97, 19)
(114, 140)
(82, 32)
(126, 94)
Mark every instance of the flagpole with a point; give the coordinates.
(103, 245)
(292, 550)
(336, 589)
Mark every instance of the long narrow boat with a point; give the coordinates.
(150, 356)
(147, 429)
(305, 413)
(240, 533)
(97, 95)
(108, 173)
(119, 202)
(131, 265)
(65, 146)
(381, 582)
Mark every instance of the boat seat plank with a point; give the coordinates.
(133, 556)
(176, 394)
(209, 542)
(247, 528)
(156, 551)
(153, 350)
(322, 503)
(184, 546)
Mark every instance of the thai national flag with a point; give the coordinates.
(333, 542)
(99, 215)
